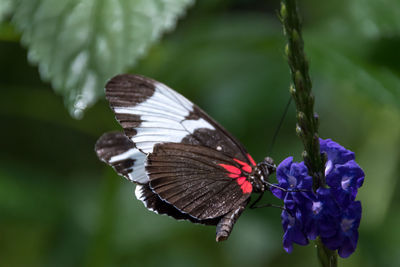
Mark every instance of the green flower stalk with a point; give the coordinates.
(307, 120)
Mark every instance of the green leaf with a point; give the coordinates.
(80, 44)
(6, 7)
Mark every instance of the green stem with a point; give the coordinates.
(326, 257)
(307, 120)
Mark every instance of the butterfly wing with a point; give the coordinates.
(118, 151)
(152, 116)
(151, 112)
(109, 147)
(154, 203)
(192, 179)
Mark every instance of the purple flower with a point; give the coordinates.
(341, 170)
(292, 176)
(292, 226)
(321, 217)
(331, 213)
(346, 235)
(345, 179)
(335, 152)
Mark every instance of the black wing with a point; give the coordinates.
(151, 113)
(110, 146)
(118, 151)
(154, 203)
(192, 179)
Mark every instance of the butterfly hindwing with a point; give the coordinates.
(118, 151)
(154, 203)
(191, 178)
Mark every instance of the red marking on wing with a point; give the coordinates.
(251, 160)
(246, 187)
(241, 180)
(234, 173)
(246, 167)
(231, 169)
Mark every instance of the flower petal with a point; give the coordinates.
(335, 152)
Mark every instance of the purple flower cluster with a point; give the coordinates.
(331, 213)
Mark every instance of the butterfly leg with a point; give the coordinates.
(267, 205)
(285, 190)
(257, 200)
(253, 205)
(225, 225)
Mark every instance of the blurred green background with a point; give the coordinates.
(61, 206)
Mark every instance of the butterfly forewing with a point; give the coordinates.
(151, 113)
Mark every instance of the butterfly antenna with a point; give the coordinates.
(279, 126)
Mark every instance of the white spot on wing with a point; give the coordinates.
(149, 135)
(138, 193)
(178, 97)
(129, 154)
(139, 196)
(193, 125)
(138, 173)
(161, 124)
(163, 119)
(143, 110)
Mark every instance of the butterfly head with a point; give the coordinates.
(262, 172)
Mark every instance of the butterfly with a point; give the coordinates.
(184, 163)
